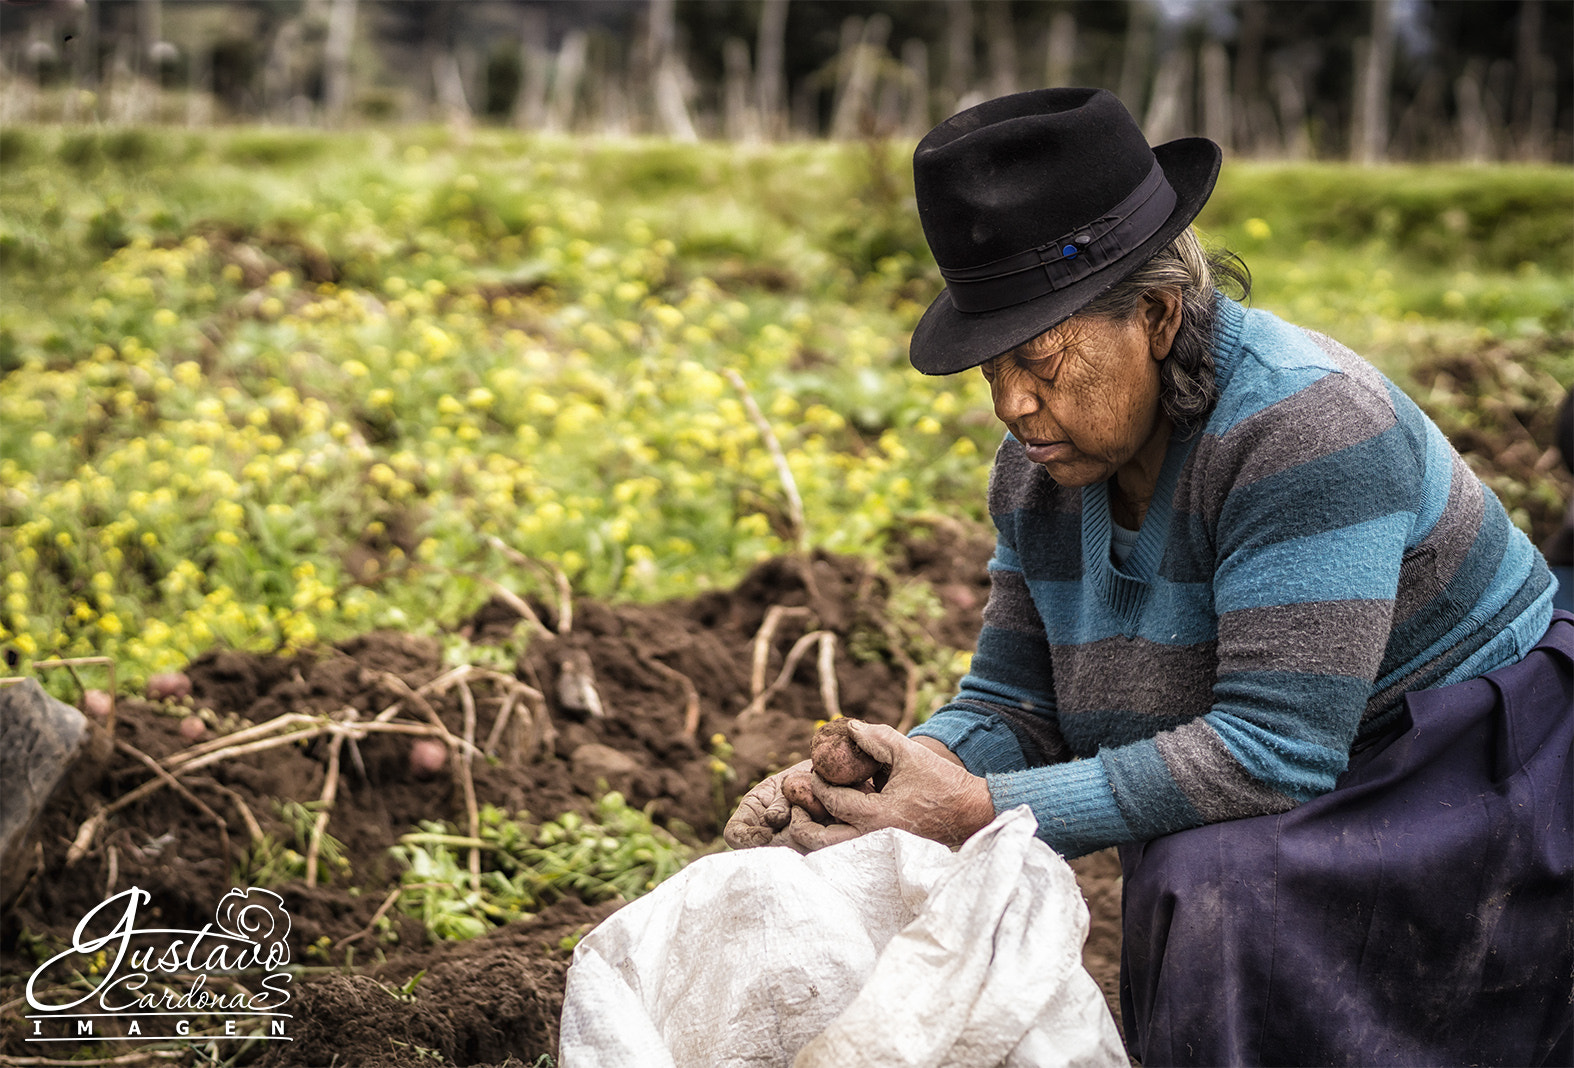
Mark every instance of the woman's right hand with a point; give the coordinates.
(764, 815)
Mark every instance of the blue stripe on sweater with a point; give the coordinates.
(1359, 562)
(1175, 613)
(1148, 797)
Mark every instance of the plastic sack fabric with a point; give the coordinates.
(888, 950)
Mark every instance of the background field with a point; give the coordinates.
(453, 427)
(264, 388)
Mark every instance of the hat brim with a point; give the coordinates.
(947, 341)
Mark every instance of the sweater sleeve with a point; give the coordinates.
(1003, 716)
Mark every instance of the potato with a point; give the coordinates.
(837, 758)
(98, 703)
(796, 789)
(192, 728)
(169, 686)
(427, 757)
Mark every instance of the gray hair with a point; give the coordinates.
(1187, 389)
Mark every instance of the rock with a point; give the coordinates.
(41, 739)
(593, 763)
(576, 686)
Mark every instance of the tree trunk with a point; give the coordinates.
(915, 61)
(1475, 128)
(1218, 117)
(1535, 87)
(1060, 55)
(1374, 70)
(1254, 124)
(852, 116)
(567, 75)
(958, 51)
(770, 86)
(535, 68)
(668, 89)
(449, 85)
(739, 121)
(1169, 111)
(336, 61)
(1137, 57)
(1289, 92)
(1002, 49)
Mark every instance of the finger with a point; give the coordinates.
(850, 804)
(745, 830)
(776, 814)
(808, 836)
(878, 740)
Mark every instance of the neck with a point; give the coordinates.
(1131, 489)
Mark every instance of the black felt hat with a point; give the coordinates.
(1035, 203)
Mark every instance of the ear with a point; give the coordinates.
(1162, 317)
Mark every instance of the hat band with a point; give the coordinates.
(1071, 258)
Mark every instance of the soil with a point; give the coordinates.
(495, 999)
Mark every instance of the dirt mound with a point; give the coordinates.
(630, 697)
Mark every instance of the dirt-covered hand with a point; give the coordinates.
(926, 793)
(764, 814)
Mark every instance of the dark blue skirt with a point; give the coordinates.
(1421, 913)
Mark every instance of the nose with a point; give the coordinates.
(1014, 395)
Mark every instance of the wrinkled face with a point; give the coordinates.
(1084, 397)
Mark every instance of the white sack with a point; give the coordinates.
(885, 951)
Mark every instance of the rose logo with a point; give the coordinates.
(258, 916)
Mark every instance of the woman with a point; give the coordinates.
(1252, 620)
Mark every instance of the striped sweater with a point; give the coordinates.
(1314, 552)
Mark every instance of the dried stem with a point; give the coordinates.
(828, 697)
(252, 826)
(382, 910)
(800, 533)
(330, 790)
(691, 695)
(180, 788)
(762, 642)
(467, 780)
(795, 654)
(565, 602)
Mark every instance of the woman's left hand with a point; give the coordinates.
(925, 794)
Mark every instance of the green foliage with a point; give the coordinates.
(264, 388)
(620, 854)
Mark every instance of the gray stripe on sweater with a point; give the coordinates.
(1018, 484)
(1428, 568)
(1010, 605)
(1331, 414)
(1349, 362)
(1216, 784)
(1324, 637)
(1134, 675)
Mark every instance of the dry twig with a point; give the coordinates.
(762, 642)
(795, 654)
(691, 695)
(467, 780)
(828, 688)
(330, 791)
(382, 910)
(800, 534)
(180, 788)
